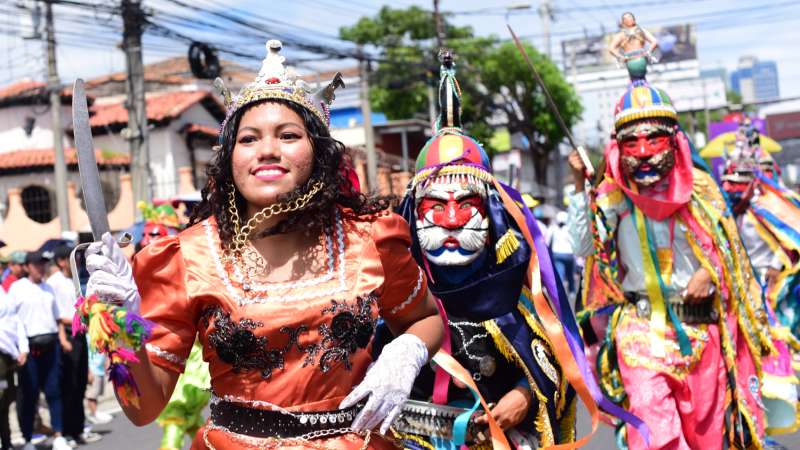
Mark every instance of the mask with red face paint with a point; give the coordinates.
(647, 152)
(452, 226)
(151, 232)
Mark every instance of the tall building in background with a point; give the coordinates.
(755, 80)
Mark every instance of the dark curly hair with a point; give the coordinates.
(329, 168)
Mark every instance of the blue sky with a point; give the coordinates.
(766, 29)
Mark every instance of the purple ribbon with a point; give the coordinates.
(564, 313)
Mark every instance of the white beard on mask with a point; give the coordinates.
(472, 237)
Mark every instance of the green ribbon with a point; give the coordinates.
(683, 339)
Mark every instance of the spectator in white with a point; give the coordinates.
(36, 306)
(75, 362)
(13, 352)
(560, 246)
(16, 269)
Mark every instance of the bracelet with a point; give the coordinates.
(116, 333)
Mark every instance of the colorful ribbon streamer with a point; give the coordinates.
(561, 327)
(451, 366)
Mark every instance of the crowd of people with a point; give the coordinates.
(39, 353)
(328, 319)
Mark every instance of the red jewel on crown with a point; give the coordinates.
(273, 80)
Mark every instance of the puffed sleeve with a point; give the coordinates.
(404, 283)
(160, 274)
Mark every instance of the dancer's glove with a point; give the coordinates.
(111, 275)
(388, 383)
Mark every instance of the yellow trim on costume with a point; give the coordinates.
(474, 171)
(748, 418)
(542, 422)
(413, 437)
(568, 423)
(533, 322)
(645, 114)
(610, 198)
(785, 430)
(506, 246)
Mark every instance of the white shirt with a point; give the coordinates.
(36, 306)
(13, 340)
(560, 240)
(620, 222)
(65, 294)
(761, 256)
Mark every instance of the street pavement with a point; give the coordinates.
(121, 434)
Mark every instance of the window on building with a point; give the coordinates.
(111, 190)
(39, 203)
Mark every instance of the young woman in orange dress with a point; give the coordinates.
(282, 274)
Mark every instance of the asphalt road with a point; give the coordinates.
(122, 435)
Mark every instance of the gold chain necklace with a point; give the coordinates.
(238, 252)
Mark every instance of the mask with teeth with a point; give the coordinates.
(648, 152)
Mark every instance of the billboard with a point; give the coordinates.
(675, 43)
(783, 126)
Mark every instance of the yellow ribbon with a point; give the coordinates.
(658, 316)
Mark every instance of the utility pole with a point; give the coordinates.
(437, 19)
(138, 144)
(369, 133)
(432, 78)
(546, 14)
(54, 89)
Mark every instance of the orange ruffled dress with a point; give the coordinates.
(292, 347)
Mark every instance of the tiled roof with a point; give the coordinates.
(160, 107)
(25, 89)
(45, 157)
(194, 128)
(177, 71)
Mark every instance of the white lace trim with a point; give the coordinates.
(337, 272)
(411, 297)
(169, 356)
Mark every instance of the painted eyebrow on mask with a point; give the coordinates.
(444, 195)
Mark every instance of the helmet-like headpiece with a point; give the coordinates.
(274, 81)
(642, 101)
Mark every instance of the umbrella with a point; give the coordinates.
(714, 149)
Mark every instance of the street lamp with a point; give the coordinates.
(519, 6)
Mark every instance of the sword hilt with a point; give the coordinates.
(587, 164)
(124, 240)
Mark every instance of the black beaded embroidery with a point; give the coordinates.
(237, 345)
(351, 328)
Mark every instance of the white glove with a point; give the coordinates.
(111, 275)
(388, 383)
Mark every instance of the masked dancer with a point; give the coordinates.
(486, 261)
(769, 223)
(687, 330)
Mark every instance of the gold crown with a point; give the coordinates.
(274, 81)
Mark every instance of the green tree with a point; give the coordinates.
(497, 87)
